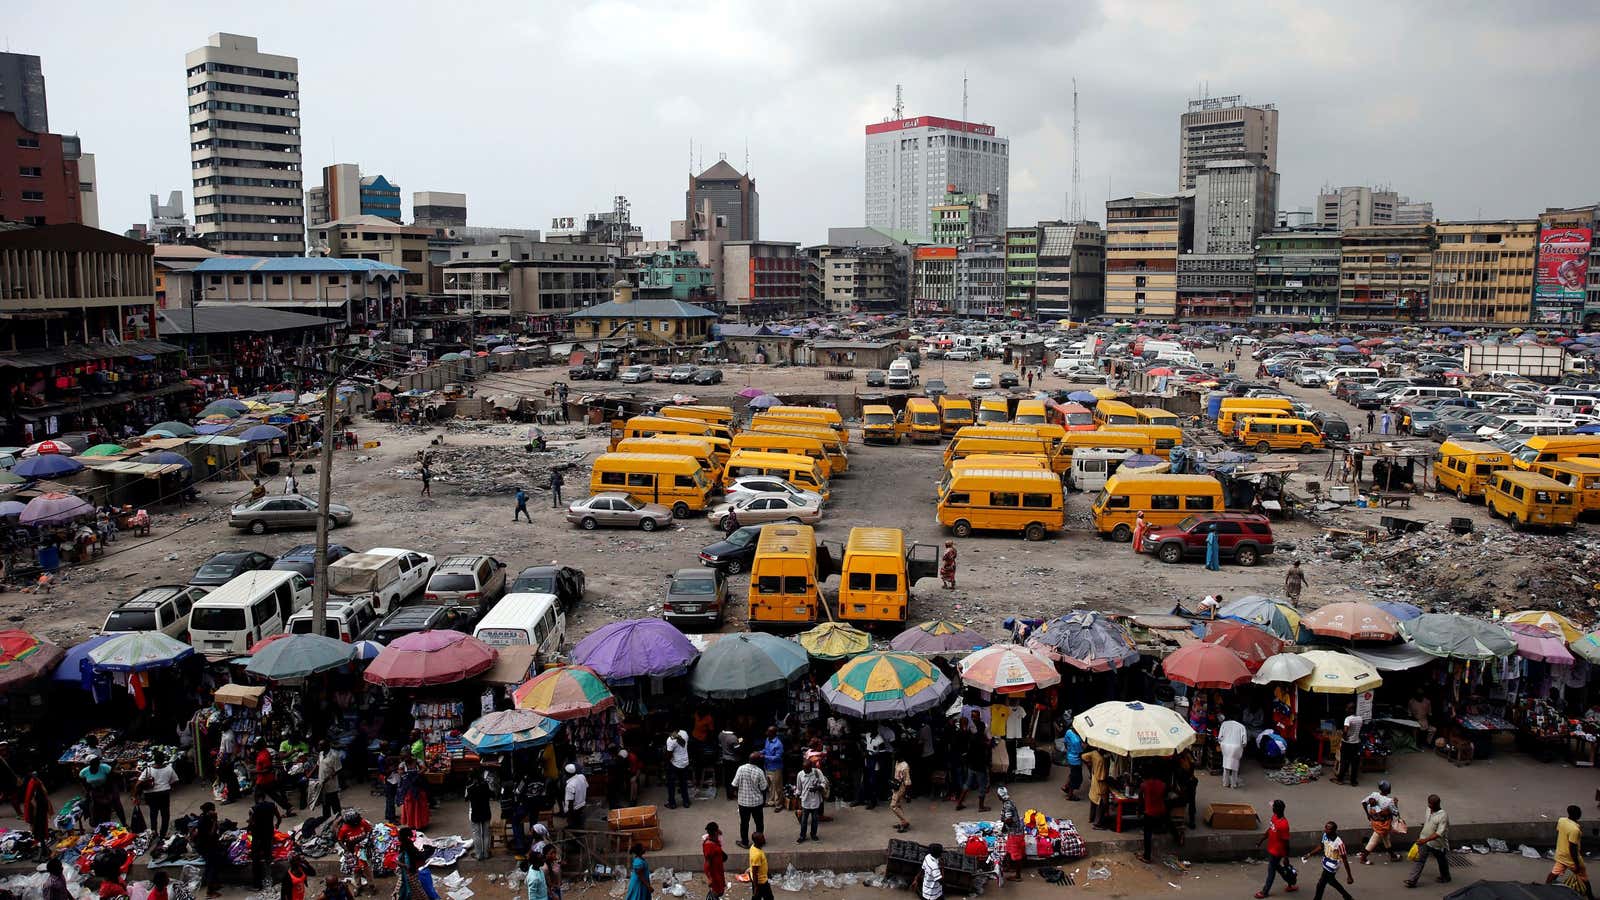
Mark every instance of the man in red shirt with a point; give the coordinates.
(1153, 792)
(1277, 838)
(266, 771)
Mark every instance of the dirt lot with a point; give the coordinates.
(481, 464)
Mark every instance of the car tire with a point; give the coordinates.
(1307, 448)
(793, 520)
(647, 524)
(257, 527)
(1246, 556)
(1461, 494)
(588, 523)
(734, 567)
(1034, 532)
(1170, 553)
(1263, 447)
(1122, 534)
(332, 523)
(962, 528)
(680, 510)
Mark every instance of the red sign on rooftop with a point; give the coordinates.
(930, 122)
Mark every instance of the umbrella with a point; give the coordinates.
(172, 429)
(218, 440)
(1401, 611)
(9, 508)
(55, 508)
(765, 401)
(835, 640)
(1587, 647)
(212, 429)
(1283, 667)
(262, 433)
(430, 657)
(886, 686)
(70, 669)
(635, 648)
(104, 450)
(937, 637)
(1458, 637)
(1537, 644)
(1101, 393)
(564, 692)
(46, 447)
(1085, 640)
(751, 393)
(747, 664)
(452, 357)
(1277, 617)
(1333, 672)
(1252, 644)
(24, 657)
(300, 656)
(215, 413)
(166, 458)
(8, 478)
(1082, 397)
(1007, 669)
(1206, 666)
(47, 465)
(225, 404)
(1158, 372)
(282, 397)
(365, 650)
(1352, 620)
(138, 651)
(510, 729)
(1553, 622)
(1134, 729)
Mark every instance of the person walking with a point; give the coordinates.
(749, 790)
(900, 783)
(760, 883)
(678, 768)
(811, 786)
(1213, 549)
(1231, 737)
(638, 875)
(1074, 745)
(534, 880)
(1350, 749)
(714, 861)
(1372, 421)
(772, 765)
(206, 838)
(947, 566)
(1382, 809)
(290, 485)
(557, 481)
(979, 748)
(427, 481)
(330, 763)
(1293, 581)
(928, 883)
(157, 780)
(263, 824)
(479, 812)
(1153, 806)
(522, 506)
(576, 797)
(1277, 839)
(1139, 527)
(1434, 842)
(1332, 851)
(36, 810)
(1569, 851)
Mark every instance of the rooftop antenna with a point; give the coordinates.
(747, 156)
(963, 95)
(899, 107)
(1076, 212)
(691, 156)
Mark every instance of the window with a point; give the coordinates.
(277, 279)
(768, 584)
(796, 584)
(1004, 498)
(683, 481)
(1199, 503)
(1118, 502)
(33, 196)
(861, 581)
(957, 499)
(1036, 501)
(333, 279)
(28, 142)
(612, 478)
(305, 279)
(30, 171)
(641, 479)
(262, 610)
(238, 279)
(1164, 501)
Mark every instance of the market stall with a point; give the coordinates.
(1473, 650)
(1130, 732)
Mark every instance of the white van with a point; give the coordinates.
(254, 606)
(899, 374)
(1177, 358)
(347, 620)
(1354, 374)
(525, 619)
(1421, 391)
(1565, 402)
(1091, 466)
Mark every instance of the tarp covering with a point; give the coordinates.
(362, 573)
(1393, 658)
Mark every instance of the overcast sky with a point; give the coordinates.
(537, 110)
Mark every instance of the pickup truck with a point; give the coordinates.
(386, 575)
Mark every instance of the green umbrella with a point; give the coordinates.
(104, 450)
(746, 664)
(1458, 637)
(7, 477)
(176, 429)
(886, 686)
(299, 656)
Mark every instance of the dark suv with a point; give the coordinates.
(1241, 537)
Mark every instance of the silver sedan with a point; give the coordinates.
(617, 510)
(764, 508)
(285, 511)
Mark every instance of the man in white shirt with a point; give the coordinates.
(576, 797)
(1231, 737)
(1210, 605)
(678, 767)
(933, 873)
(1350, 749)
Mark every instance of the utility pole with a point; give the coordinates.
(319, 590)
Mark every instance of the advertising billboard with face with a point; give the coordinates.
(1562, 271)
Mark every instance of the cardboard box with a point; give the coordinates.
(1232, 817)
(631, 817)
(650, 838)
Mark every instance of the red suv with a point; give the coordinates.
(1241, 537)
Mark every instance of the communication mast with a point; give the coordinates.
(899, 106)
(963, 95)
(1076, 212)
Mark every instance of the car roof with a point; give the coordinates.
(540, 570)
(413, 615)
(610, 495)
(464, 561)
(229, 555)
(153, 596)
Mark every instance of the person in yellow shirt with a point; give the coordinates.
(760, 887)
(1569, 850)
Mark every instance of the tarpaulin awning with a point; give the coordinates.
(513, 665)
(126, 467)
(31, 359)
(1393, 658)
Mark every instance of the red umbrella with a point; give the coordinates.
(1353, 621)
(1253, 645)
(1206, 666)
(1158, 372)
(24, 657)
(256, 647)
(430, 657)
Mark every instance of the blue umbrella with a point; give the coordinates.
(1401, 611)
(71, 669)
(365, 650)
(166, 458)
(262, 433)
(47, 465)
(212, 428)
(237, 406)
(1082, 397)
(12, 508)
(510, 729)
(763, 402)
(1347, 348)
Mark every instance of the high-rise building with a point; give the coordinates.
(912, 163)
(39, 176)
(1221, 128)
(1022, 269)
(1144, 236)
(1413, 212)
(1357, 206)
(733, 198)
(1234, 200)
(1385, 273)
(1483, 272)
(438, 209)
(1070, 278)
(345, 193)
(244, 134)
(22, 91)
(1297, 275)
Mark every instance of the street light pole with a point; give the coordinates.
(319, 589)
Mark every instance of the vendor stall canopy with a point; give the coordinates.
(747, 664)
(886, 686)
(1134, 729)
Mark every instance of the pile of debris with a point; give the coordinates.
(1478, 572)
(484, 471)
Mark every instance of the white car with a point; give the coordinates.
(771, 508)
(982, 380)
(1308, 377)
(636, 374)
(961, 354)
(761, 485)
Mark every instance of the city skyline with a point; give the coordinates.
(1392, 95)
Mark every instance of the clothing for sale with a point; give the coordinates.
(1043, 837)
(435, 719)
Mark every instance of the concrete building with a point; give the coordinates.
(855, 279)
(1234, 200)
(643, 321)
(1385, 273)
(675, 275)
(438, 209)
(39, 179)
(345, 192)
(22, 91)
(1356, 206)
(1070, 274)
(1297, 275)
(762, 279)
(933, 281)
(1413, 212)
(168, 222)
(981, 278)
(962, 217)
(88, 182)
(376, 238)
(1022, 270)
(244, 147)
(734, 202)
(170, 258)
(1483, 272)
(1216, 287)
(529, 284)
(911, 164)
(1222, 128)
(361, 293)
(1145, 234)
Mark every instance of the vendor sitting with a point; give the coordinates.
(258, 491)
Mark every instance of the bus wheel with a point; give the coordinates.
(1122, 534)
(1034, 532)
(1263, 447)
(680, 510)
(1461, 493)
(1307, 448)
(962, 528)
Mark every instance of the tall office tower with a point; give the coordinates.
(913, 163)
(733, 199)
(244, 145)
(22, 91)
(1225, 128)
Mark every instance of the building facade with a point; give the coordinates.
(846, 280)
(1356, 206)
(1225, 128)
(1144, 237)
(1413, 212)
(911, 163)
(379, 239)
(1070, 273)
(244, 147)
(438, 209)
(345, 193)
(39, 181)
(933, 281)
(530, 285)
(1022, 270)
(362, 293)
(1483, 272)
(1216, 287)
(763, 278)
(1566, 288)
(676, 275)
(22, 91)
(733, 198)
(963, 217)
(1234, 200)
(642, 321)
(1385, 273)
(981, 279)
(1297, 275)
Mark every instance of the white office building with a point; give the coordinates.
(912, 164)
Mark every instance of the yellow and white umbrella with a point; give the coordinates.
(1134, 729)
(1338, 673)
(1553, 622)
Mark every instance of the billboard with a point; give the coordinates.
(1562, 271)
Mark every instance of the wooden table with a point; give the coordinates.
(1387, 499)
(1120, 801)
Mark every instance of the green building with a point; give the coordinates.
(1297, 275)
(676, 274)
(962, 217)
(1022, 269)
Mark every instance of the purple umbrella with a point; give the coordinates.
(751, 393)
(635, 648)
(765, 401)
(47, 465)
(262, 433)
(12, 508)
(54, 509)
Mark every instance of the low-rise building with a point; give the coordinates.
(1216, 287)
(362, 293)
(1385, 273)
(171, 258)
(642, 321)
(846, 280)
(962, 217)
(1144, 236)
(1022, 269)
(1483, 272)
(933, 281)
(1297, 275)
(531, 285)
(675, 275)
(762, 278)
(376, 238)
(863, 354)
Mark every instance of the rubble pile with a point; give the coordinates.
(483, 471)
(1479, 572)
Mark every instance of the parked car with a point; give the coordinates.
(1241, 537)
(680, 374)
(961, 354)
(1422, 418)
(164, 608)
(876, 378)
(302, 558)
(1009, 379)
(412, 619)
(1310, 377)
(706, 376)
(771, 508)
(696, 596)
(285, 511)
(1333, 428)
(763, 486)
(733, 553)
(982, 381)
(386, 576)
(935, 388)
(617, 510)
(636, 374)
(565, 582)
(605, 370)
(228, 565)
(469, 579)
(580, 373)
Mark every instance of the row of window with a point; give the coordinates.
(267, 236)
(223, 143)
(218, 199)
(250, 217)
(237, 181)
(242, 70)
(258, 278)
(207, 162)
(255, 108)
(230, 125)
(235, 88)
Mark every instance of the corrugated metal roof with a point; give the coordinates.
(643, 309)
(294, 264)
(225, 318)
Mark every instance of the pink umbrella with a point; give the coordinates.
(430, 657)
(751, 393)
(55, 508)
(1539, 645)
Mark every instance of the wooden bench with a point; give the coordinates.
(1388, 499)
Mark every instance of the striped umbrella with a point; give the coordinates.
(938, 637)
(1007, 669)
(886, 686)
(564, 692)
(365, 650)
(138, 651)
(835, 640)
(1553, 622)
(24, 657)
(1537, 644)
(510, 729)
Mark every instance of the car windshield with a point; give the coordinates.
(448, 582)
(131, 620)
(207, 618)
(693, 584)
(533, 584)
(217, 570)
(743, 536)
(308, 568)
(880, 419)
(1188, 523)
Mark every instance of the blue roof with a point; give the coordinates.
(293, 264)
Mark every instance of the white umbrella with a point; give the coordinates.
(1134, 729)
(1338, 673)
(1283, 667)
